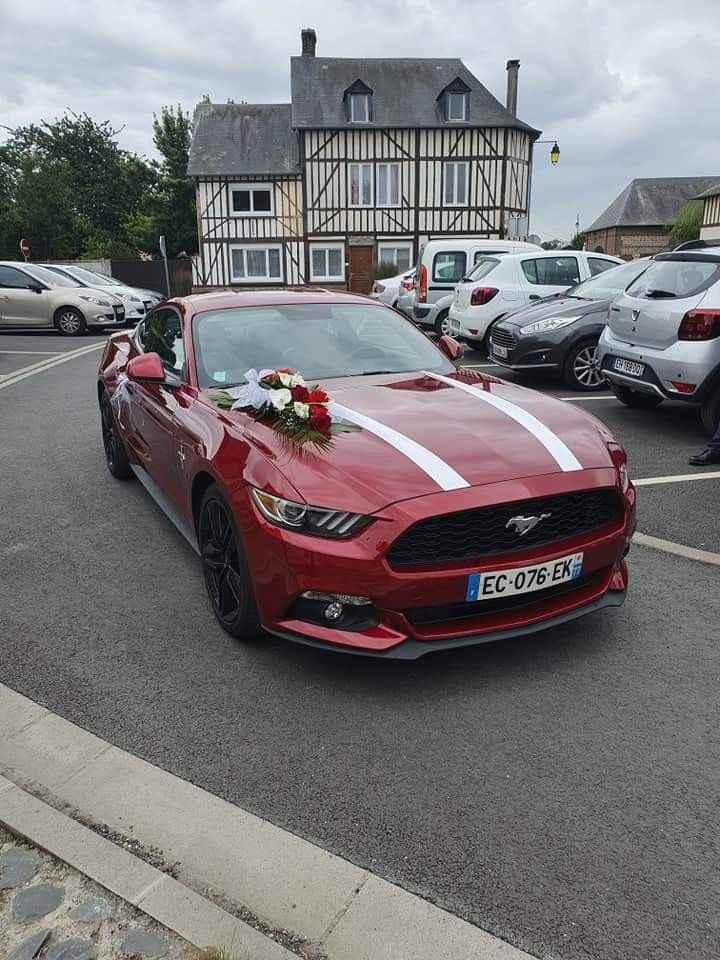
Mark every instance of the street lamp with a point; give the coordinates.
(554, 152)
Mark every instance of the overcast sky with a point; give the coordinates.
(628, 87)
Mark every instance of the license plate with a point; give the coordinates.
(500, 351)
(629, 366)
(508, 583)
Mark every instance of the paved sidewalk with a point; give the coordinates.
(277, 885)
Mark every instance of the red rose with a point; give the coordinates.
(317, 396)
(300, 394)
(320, 419)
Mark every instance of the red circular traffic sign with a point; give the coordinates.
(25, 247)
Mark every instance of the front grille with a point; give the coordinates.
(503, 338)
(119, 310)
(445, 613)
(473, 534)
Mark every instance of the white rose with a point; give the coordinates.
(296, 380)
(286, 379)
(302, 410)
(279, 398)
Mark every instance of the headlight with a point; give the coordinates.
(316, 521)
(96, 300)
(543, 326)
(134, 299)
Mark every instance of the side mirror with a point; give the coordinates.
(147, 368)
(451, 348)
(35, 286)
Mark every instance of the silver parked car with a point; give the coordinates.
(663, 335)
(31, 296)
(136, 300)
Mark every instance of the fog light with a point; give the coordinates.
(333, 611)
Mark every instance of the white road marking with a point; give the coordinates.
(476, 366)
(602, 396)
(559, 451)
(43, 365)
(678, 549)
(47, 353)
(677, 478)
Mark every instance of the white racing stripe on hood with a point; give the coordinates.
(559, 451)
(439, 471)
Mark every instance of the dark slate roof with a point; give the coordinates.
(405, 93)
(243, 138)
(652, 202)
(712, 191)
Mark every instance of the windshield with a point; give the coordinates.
(674, 278)
(482, 268)
(319, 340)
(89, 276)
(49, 277)
(608, 284)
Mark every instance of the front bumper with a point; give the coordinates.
(419, 609)
(524, 353)
(103, 316)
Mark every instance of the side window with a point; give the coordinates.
(161, 333)
(449, 267)
(557, 271)
(10, 277)
(599, 266)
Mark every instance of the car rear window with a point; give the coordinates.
(449, 266)
(674, 278)
(482, 268)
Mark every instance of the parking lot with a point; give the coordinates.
(559, 791)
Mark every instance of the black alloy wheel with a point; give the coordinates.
(224, 568)
(115, 453)
(581, 370)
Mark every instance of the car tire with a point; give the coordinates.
(441, 324)
(225, 570)
(580, 369)
(638, 401)
(710, 412)
(70, 322)
(115, 453)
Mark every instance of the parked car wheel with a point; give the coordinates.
(710, 412)
(581, 370)
(225, 569)
(70, 322)
(442, 327)
(631, 398)
(115, 453)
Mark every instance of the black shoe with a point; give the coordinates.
(706, 457)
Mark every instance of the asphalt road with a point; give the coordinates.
(560, 791)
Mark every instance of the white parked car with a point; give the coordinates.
(443, 263)
(136, 300)
(389, 289)
(499, 285)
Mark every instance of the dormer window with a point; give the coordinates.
(358, 103)
(454, 102)
(359, 108)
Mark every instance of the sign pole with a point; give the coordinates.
(163, 254)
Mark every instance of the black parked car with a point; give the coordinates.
(561, 332)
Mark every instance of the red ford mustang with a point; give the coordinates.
(462, 508)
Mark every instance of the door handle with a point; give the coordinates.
(534, 296)
(615, 309)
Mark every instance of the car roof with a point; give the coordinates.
(225, 299)
(457, 242)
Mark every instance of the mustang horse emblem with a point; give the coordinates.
(524, 525)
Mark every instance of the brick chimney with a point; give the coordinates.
(513, 67)
(309, 42)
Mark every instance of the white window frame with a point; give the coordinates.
(253, 188)
(455, 202)
(339, 278)
(359, 166)
(244, 247)
(463, 100)
(357, 98)
(380, 200)
(394, 245)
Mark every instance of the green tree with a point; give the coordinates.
(174, 213)
(687, 223)
(577, 242)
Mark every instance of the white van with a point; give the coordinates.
(443, 263)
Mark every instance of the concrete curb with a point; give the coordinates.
(285, 881)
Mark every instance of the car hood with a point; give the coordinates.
(437, 437)
(556, 307)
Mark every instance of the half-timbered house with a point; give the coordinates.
(371, 158)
